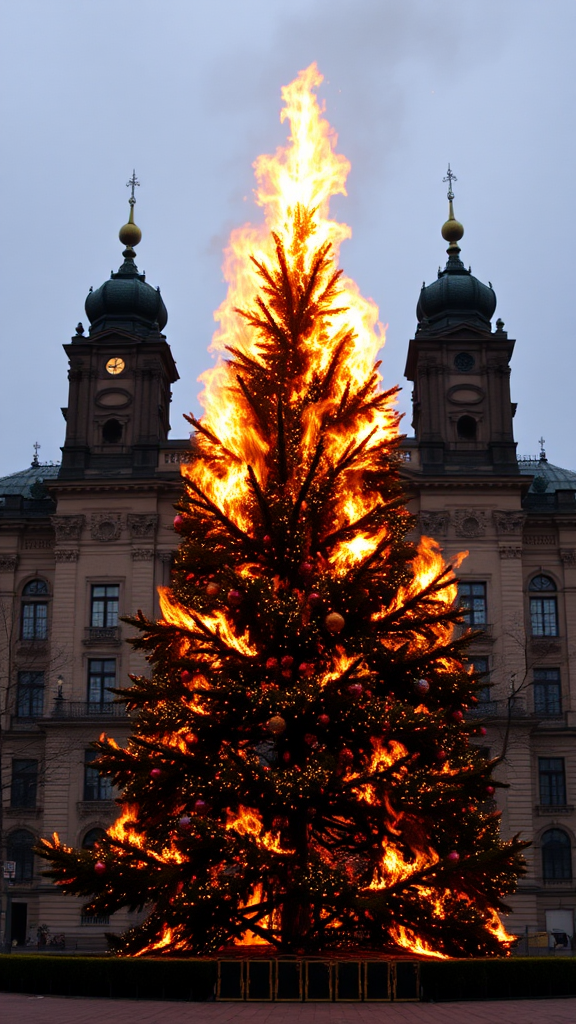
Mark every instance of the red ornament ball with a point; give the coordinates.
(212, 589)
(490, 790)
(191, 739)
(99, 867)
(422, 686)
(155, 773)
(234, 597)
(286, 756)
(355, 689)
(186, 676)
(314, 599)
(441, 755)
(453, 857)
(190, 576)
(200, 806)
(272, 663)
(178, 522)
(267, 540)
(306, 669)
(346, 756)
(457, 716)
(306, 568)
(323, 720)
(287, 661)
(482, 730)
(311, 739)
(334, 622)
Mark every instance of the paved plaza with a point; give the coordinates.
(22, 1009)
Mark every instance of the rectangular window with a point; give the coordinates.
(481, 666)
(24, 783)
(552, 781)
(104, 605)
(101, 676)
(96, 786)
(544, 616)
(473, 603)
(30, 694)
(547, 692)
(34, 620)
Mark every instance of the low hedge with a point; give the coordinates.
(195, 979)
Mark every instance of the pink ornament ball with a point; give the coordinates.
(490, 790)
(178, 522)
(200, 806)
(234, 597)
(457, 716)
(453, 857)
(99, 867)
(155, 773)
(355, 689)
(314, 599)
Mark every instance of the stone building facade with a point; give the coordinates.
(86, 542)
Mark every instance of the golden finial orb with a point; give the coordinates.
(452, 229)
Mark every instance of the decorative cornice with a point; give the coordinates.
(8, 563)
(68, 527)
(469, 522)
(142, 526)
(106, 526)
(66, 555)
(142, 554)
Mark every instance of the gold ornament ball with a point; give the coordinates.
(334, 622)
(130, 234)
(276, 725)
(212, 589)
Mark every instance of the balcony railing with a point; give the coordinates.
(95, 635)
(498, 709)
(87, 709)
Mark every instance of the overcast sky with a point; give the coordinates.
(188, 93)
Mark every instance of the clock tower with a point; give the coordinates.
(462, 413)
(120, 375)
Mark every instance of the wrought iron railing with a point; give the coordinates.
(87, 709)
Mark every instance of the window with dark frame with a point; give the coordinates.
(34, 612)
(547, 692)
(472, 598)
(104, 605)
(552, 778)
(94, 836)
(30, 694)
(556, 856)
(20, 849)
(24, 783)
(101, 677)
(96, 786)
(543, 606)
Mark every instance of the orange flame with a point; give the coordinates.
(408, 939)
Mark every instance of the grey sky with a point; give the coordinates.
(188, 93)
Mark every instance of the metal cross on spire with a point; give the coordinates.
(36, 446)
(133, 183)
(450, 177)
(542, 442)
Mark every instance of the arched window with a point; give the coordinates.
(94, 836)
(34, 617)
(556, 855)
(466, 428)
(112, 432)
(543, 606)
(19, 848)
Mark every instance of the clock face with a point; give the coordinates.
(115, 365)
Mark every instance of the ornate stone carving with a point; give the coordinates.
(469, 522)
(568, 556)
(510, 551)
(66, 555)
(142, 554)
(68, 527)
(434, 524)
(8, 563)
(543, 539)
(106, 526)
(508, 522)
(141, 526)
(166, 556)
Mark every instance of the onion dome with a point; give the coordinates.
(456, 297)
(126, 302)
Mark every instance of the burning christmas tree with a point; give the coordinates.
(299, 772)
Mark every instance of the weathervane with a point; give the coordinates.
(134, 182)
(450, 177)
